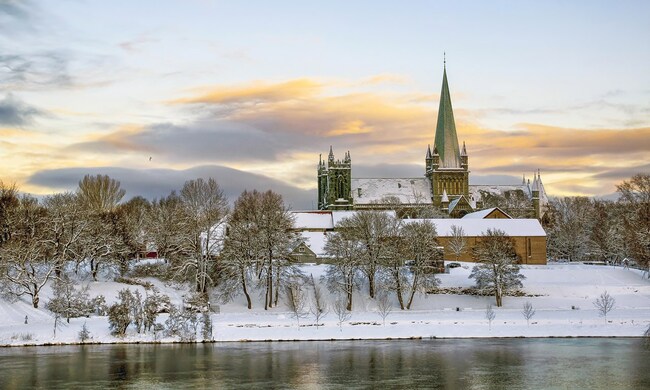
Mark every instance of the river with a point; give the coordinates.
(597, 363)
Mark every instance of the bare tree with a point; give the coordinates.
(296, 302)
(342, 313)
(100, 244)
(568, 234)
(528, 312)
(457, 242)
(490, 315)
(497, 272)
(164, 227)
(420, 247)
(384, 307)
(8, 202)
(319, 307)
(370, 229)
(67, 225)
(100, 193)
(131, 220)
(604, 303)
(69, 302)
(242, 251)
(342, 274)
(24, 261)
(204, 207)
(275, 237)
(635, 198)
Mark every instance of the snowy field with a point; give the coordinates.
(563, 300)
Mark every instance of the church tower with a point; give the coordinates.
(335, 183)
(447, 168)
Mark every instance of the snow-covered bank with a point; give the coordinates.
(563, 303)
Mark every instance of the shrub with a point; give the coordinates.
(119, 314)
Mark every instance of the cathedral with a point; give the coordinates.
(444, 188)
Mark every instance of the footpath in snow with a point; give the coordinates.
(563, 296)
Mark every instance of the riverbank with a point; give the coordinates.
(561, 294)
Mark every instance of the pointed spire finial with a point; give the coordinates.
(444, 60)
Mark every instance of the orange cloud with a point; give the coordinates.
(258, 91)
(351, 127)
(273, 128)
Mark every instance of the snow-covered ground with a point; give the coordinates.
(564, 296)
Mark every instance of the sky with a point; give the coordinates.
(155, 93)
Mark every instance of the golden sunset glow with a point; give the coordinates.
(246, 96)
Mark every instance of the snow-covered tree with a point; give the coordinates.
(604, 303)
(204, 208)
(318, 307)
(67, 225)
(457, 242)
(342, 275)
(296, 301)
(384, 306)
(635, 198)
(100, 193)
(153, 304)
(490, 315)
(371, 229)
(84, 333)
(206, 326)
(119, 314)
(68, 301)
(497, 271)
(341, 311)
(528, 312)
(420, 248)
(242, 251)
(568, 233)
(24, 261)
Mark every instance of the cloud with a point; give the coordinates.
(43, 69)
(214, 141)
(257, 92)
(16, 15)
(624, 172)
(136, 44)
(277, 128)
(14, 112)
(155, 183)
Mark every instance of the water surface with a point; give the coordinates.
(431, 364)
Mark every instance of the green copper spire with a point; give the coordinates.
(446, 139)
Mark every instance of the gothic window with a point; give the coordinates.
(341, 187)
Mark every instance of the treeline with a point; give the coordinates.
(581, 228)
(90, 230)
(203, 242)
(248, 249)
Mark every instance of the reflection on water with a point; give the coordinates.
(444, 364)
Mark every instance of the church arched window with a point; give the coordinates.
(341, 187)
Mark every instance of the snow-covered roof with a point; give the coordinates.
(477, 227)
(324, 219)
(315, 241)
(496, 189)
(483, 213)
(313, 219)
(407, 190)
